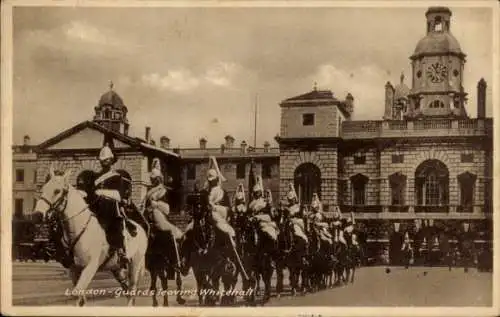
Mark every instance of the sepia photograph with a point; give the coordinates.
(287, 155)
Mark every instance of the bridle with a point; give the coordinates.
(58, 207)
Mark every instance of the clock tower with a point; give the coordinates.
(438, 69)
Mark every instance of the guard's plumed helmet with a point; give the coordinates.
(316, 203)
(240, 193)
(291, 192)
(106, 153)
(258, 185)
(156, 169)
(269, 196)
(214, 171)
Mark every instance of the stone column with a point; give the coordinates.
(410, 194)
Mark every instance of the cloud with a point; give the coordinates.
(84, 32)
(179, 80)
(175, 80)
(221, 74)
(365, 83)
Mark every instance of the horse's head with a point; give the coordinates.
(53, 193)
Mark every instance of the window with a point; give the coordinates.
(191, 171)
(359, 159)
(467, 158)
(308, 119)
(467, 183)
(20, 175)
(240, 170)
(397, 183)
(267, 170)
(397, 158)
(359, 182)
(432, 183)
(18, 208)
(436, 104)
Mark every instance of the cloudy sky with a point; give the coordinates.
(195, 72)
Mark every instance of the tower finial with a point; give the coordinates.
(111, 85)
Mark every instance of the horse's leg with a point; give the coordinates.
(152, 287)
(164, 286)
(268, 273)
(86, 276)
(178, 281)
(136, 266)
(352, 274)
(119, 275)
(279, 278)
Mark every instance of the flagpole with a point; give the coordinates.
(255, 123)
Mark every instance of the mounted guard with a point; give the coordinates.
(106, 201)
(239, 201)
(260, 210)
(293, 211)
(317, 219)
(157, 210)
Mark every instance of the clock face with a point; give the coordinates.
(437, 72)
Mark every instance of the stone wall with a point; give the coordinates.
(325, 122)
(325, 158)
(135, 163)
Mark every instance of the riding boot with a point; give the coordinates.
(131, 227)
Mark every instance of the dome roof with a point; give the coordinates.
(438, 42)
(111, 98)
(401, 90)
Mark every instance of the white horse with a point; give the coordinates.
(86, 239)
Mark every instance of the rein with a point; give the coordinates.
(59, 207)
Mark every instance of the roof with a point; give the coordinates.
(438, 42)
(313, 95)
(111, 98)
(132, 142)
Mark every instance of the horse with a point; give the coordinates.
(162, 263)
(86, 240)
(210, 252)
(319, 252)
(257, 250)
(292, 251)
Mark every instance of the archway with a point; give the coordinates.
(307, 181)
(432, 183)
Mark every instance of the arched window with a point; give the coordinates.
(307, 181)
(467, 183)
(438, 24)
(359, 182)
(432, 183)
(397, 182)
(436, 104)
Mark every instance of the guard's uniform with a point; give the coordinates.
(260, 210)
(317, 219)
(293, 210)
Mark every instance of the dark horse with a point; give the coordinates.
(292, 251)
(257, 250)
(210, 254)
(320, 256)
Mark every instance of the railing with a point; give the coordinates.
(432, 124)
(432, 209)
(428, 127)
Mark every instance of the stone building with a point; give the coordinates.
(24, 175)
(427, 159)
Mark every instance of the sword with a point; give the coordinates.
(245, 275)
(176, 250)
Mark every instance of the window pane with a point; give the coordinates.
(20, 175)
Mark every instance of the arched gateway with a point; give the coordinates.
(307, 180)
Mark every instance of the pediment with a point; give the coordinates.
(86, 135)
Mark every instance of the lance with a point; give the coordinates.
(245, 275)
(176, 249)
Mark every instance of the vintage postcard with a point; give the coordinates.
(291, 158)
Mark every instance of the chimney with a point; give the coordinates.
(27, 140)
(481, 98)
(148, 135)
(267, 145)
(243, 147)
(222, 148)
(165, 142)
(203, 143)
(349, 101)
(389, 101)
(125, 129)
(229, 141)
